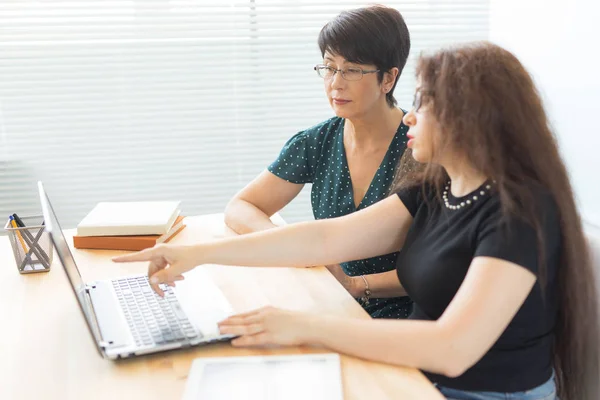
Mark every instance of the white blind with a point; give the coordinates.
(108, 100)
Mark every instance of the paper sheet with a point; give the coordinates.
(270, 378)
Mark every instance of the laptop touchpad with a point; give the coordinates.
(203, 302)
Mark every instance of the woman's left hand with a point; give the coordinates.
(268, 326)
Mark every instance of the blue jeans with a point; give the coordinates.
(546, 391)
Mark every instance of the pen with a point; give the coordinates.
(31, 241)
(18, 233)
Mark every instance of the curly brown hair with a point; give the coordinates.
(490, 111)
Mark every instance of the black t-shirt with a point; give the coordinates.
(435, 258)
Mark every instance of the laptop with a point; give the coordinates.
(126, 318)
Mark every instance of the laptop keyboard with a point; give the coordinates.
(152, 319)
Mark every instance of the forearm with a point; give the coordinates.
(243, 217)
(385, 284)
(297, 245)
(378, 229)
(417, 344)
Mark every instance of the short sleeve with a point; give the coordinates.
(412, 197)
(511, 239)
(297, 159)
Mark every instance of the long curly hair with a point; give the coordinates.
(489, 109)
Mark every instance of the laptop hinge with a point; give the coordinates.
(95, 327)
(89, 287)
(110, 322)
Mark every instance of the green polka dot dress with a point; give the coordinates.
(317, 156)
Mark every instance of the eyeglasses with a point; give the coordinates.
(418, 99)
(349, 74)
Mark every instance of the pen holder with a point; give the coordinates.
(31, 245)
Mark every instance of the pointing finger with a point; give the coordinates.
(144, 255)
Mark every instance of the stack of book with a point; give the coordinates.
(129, 225)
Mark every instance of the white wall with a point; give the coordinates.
(559, 43)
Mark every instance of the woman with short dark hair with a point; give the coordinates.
(349, 159)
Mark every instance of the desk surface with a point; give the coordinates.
(48, 353)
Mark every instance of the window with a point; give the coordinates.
(114, 100)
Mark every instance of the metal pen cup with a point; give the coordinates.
(31, 245)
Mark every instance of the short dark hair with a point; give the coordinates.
(371, 35)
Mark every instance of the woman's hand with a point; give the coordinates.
(269, 326)
(178, 259)
(351, 283)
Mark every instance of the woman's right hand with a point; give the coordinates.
(167, 263)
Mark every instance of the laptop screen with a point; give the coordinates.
(66, 259)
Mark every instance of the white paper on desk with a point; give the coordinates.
(307, 376)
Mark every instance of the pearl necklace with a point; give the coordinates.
(466, 202)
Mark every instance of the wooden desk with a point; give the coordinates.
(47, 352)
